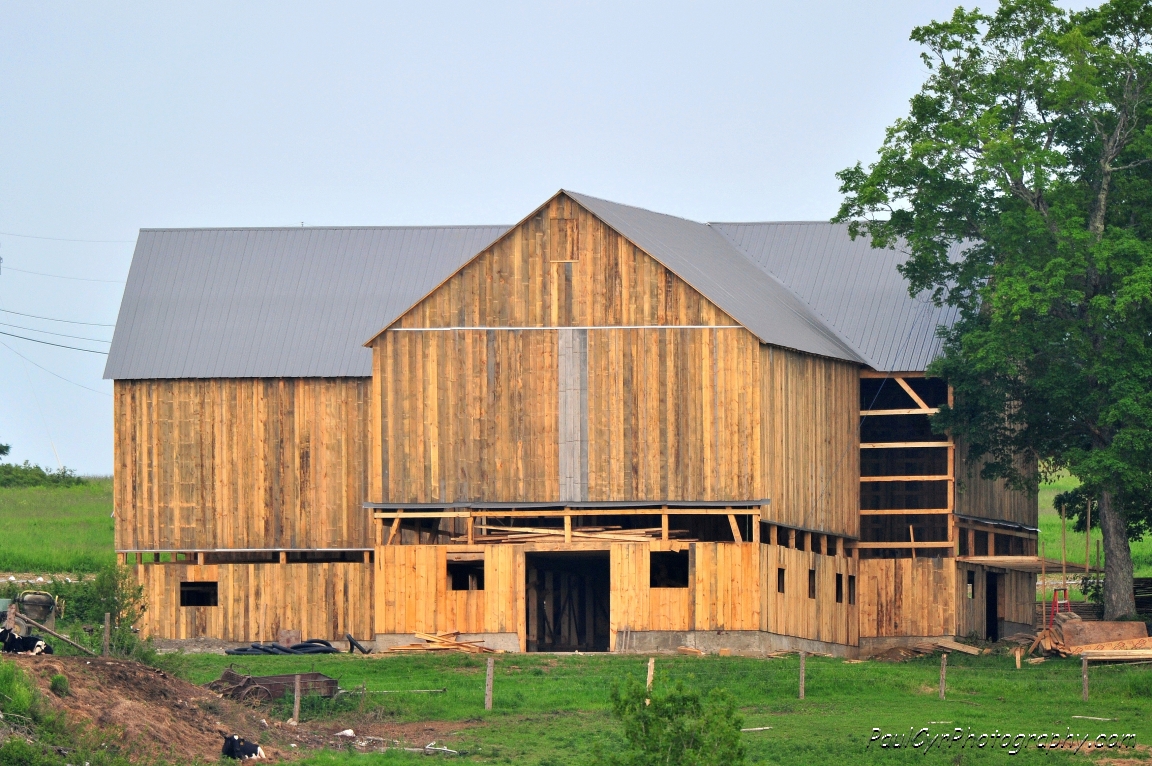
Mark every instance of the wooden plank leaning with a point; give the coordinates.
(51, 632)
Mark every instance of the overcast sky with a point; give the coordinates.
(116, 117)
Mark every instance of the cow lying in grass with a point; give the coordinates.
(10, 642)
(240, 749)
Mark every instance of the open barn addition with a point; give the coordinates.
(600, 429)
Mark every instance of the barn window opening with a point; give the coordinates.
(971, 584)
(467, 574)
(668, 569)
(198, 594)
(851, 589)
(568, 601)
(839, 588)
(780, 580)
(811, 583)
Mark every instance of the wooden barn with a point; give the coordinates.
(601, 429)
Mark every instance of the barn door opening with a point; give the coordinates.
(567, 598)
(992, 610)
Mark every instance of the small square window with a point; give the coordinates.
(466, 575)
(198, 594)
(839, 588)
(851, 589)
(780, 580)
(668, 569)
(811, 583)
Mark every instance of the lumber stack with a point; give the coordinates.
(444, 642)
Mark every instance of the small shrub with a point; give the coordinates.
(59, 685)
(680, 728)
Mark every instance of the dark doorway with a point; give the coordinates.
(567, 598)
(992, 610)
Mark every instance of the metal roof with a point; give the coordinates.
(275, 302)
(705, 259)
(854, 288)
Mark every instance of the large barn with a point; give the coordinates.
(602, 428)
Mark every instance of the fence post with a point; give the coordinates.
(107, 631)
(1084, 677)
(488, 684)
(296, 701)
(943, 673)
(802, 656)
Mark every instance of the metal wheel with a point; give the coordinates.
(256, 695)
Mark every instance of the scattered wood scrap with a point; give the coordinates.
(691, 650)
(1117, 655)
(444, 642)
(955, 646)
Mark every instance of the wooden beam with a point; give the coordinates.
(905, 445)
(940, 477)
(395, 528)
(907, 511)
(915, 397)
(912, 539)
(871, 545)
(471, 531)
(756, 526)
(872, 413)
(873, 374)
(735, 528)
(546, 514)
(664, 526)
(567, 529)
(283, 557)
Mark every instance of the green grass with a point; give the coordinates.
(56, 529)
(1050, 534)
(551, 709)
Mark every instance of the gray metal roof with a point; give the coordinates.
(279, 302)
(854, 288)
(705, 259)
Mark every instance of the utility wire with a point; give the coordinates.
(61, 276)
(49, 332)
(53, 319)
(62, 239)
(61, 377)
(57, 345)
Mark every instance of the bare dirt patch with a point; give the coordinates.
(149, 714)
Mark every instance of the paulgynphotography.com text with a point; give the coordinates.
(924, 739)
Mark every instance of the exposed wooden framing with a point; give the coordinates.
(942, 477)
(471, 530)
(904, 445)
(933, 544)
(874, 413)
(908, 512)
(664, 526)
(395, 527)
(567, 529)
(915, 397)
(735, 527)
(546, 514)
(874, 374)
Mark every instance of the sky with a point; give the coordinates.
(121, 116)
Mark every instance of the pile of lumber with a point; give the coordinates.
(444, 642)
(943, 645)
(1068, 636)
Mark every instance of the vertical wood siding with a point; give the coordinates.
(256, 601)
(908, 597)
(241, 463)
(793, 613)
(990, 499)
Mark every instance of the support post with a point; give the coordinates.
(759, 514)
(736, 537)
(1087, 537)
(199, 558)
(651, 673)
(283, 557)
(802, 657)
(944, 673)
(107, 632)
(1084, 678)
(296, 698)
(567, 529)
(471, 531)
(488, 684)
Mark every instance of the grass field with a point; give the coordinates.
(51, 529)
(553, 709)
(1050, 533)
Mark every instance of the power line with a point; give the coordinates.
(45, 369)
(57, 345)
(61, 276)
(53, 319)
(49, 332)
(63, 239)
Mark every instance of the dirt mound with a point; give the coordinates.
(150, 714)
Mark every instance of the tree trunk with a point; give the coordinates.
(1119, 600)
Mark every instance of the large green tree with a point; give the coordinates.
(1028, 151)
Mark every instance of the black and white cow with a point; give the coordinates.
(10, 642)
(240, 749)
